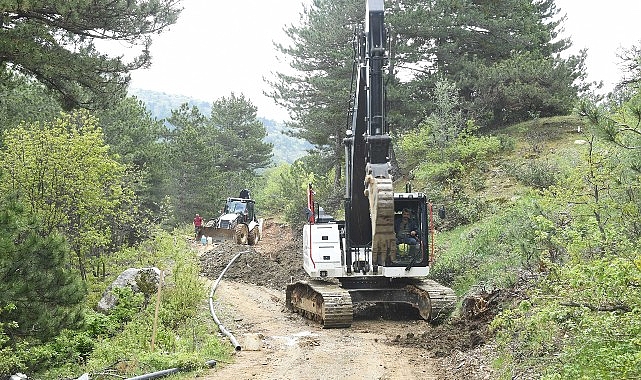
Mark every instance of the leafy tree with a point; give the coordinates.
(64, 172)
(285, 191)
(54, 42)
(44, 292)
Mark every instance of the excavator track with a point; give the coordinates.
(331, 305)
(326, 303)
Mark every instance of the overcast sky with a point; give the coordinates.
(219, 47)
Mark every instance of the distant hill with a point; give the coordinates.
(286, 149)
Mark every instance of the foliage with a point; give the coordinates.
(240, 135)
(121, 340)
(184, 332)
(63, 171)
(527, 84)
(538, 174)
(318, 92)
(40, 295)
(499, 54)
(22, 99)
(214, 158)
(582, 318)
(582, 323)
(138, 140)
(54, 42)
(447, 173)
(493, 253)
(285, 191)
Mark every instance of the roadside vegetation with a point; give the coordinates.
(539, 177)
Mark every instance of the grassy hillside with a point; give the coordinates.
(551, 227)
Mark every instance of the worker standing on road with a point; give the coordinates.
(198, 223)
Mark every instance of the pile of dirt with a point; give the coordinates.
(273, 262)
(460, 345)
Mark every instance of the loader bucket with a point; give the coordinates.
(219, 234)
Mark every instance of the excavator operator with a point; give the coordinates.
(406, 229)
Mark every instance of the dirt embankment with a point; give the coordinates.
(381, 344)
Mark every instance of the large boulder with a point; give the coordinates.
(140, 280)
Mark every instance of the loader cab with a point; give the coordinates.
(239, 206)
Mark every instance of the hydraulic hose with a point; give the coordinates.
(221, 327)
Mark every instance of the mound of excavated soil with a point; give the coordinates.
(273, 262)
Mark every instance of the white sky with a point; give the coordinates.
(603, 27)
(218, 47)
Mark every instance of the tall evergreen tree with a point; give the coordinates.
(23, 99)
(44, 291)
(53, 41)
(502, 55)
(240, 135)
(139, 141)
(318, 93)
(214, 158)
(192, 155)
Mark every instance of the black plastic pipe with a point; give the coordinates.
(221, 327)
(165, 372)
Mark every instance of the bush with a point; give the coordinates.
(539, 174)
(490, 253)
(582, 322)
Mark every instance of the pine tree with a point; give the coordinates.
(36, 279)
(54, 42)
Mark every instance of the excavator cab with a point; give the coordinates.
(412, 233)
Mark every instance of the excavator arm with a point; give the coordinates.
(370, 207)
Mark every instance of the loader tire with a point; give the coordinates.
(241, 234)
(252, 238)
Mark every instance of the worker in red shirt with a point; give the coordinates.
(198, 222)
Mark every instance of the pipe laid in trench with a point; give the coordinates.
(221, 327)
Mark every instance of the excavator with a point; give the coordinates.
(361, 260)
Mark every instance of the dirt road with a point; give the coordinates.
(279, 344)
